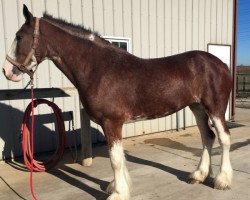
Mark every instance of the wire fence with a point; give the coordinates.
(243, 84)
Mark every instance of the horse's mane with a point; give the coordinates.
(80, 30)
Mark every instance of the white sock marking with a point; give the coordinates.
(224, 178)
(204, 166)
(122, 180)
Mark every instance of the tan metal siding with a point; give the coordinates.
(118, 17)
(230, 22)
(136, 27)
(144, 30)
(46, 76)
(108, 17)
(98, 16)
(152, 29)
(201, 23)
(207, 36)
(160, 28)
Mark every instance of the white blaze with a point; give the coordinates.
(12, 72)
(12, 52)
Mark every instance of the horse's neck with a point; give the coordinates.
(65, 50)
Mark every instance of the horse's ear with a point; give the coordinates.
(27, 14)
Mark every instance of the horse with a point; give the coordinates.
(117, 87)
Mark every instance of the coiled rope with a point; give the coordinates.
(28, 148)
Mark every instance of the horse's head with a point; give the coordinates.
(26, 50)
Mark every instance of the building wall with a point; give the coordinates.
(156, 28)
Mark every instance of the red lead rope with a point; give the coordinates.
(28, 141)
(32, 141)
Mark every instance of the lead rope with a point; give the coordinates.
(28, 139)
(32, 138)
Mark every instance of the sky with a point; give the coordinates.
(243, 51)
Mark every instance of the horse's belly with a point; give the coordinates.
(159, 108)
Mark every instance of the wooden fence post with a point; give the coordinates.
(86, 143)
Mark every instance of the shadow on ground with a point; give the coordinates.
(166, 142)
(66, 173)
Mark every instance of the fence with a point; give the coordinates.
(243, 83)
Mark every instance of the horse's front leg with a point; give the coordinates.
(119, 188)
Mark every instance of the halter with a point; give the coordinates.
(23, 67)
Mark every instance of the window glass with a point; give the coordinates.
(123, 43)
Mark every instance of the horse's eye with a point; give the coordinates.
(18, 37)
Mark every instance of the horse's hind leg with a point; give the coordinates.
(224, 179)
(119, 188)
(207, 135)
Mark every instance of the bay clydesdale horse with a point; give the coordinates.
(116, 87)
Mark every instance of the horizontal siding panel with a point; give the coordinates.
(182, 26)
(160, 28)
(168, 28)
(230, 22)
(154, 125)
(3, 46)
(88, 14)
(11, 27)
(201, 21)
(207, 19)
(195, 25)
(130, 129)
(139, 128)
(152, 29)
(175, 27)
(98, 16)
(224, 22)
(136, 27)
(76, 12)
(162, 124)
(118, 18)
(144, 29)
(147, 127)
(213, 22)
(127, 16)
(108, 18)
(189, 25)
(219, 11)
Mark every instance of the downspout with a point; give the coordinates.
(234, 57)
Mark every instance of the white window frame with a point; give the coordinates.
(223, 52)
(120, 39)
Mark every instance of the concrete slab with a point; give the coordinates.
(159, 165)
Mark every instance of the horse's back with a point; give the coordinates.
(151, 88)
(169, 84)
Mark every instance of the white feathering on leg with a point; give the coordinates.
(121, 183)
(224, 179)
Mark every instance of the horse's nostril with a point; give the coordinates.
(3, 71)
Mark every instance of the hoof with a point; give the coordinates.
(193, 181)
(111, 187)
(196, 177)
(222, 187)
(116, 196)
(221, 184)
(223, 181)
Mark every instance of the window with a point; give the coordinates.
(121, 42)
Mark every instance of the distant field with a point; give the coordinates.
(243, 82)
